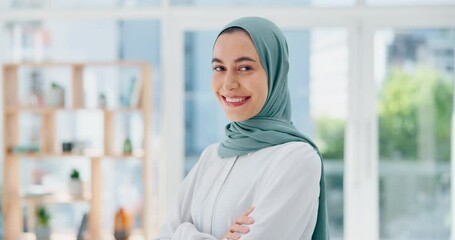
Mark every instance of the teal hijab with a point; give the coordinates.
(272, 125)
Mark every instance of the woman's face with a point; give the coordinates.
(239, 80)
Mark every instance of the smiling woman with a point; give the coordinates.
(239, 80)
(265, 180)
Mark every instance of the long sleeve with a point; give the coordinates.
(187, 231)
(288, 199)
(282, 182)
(179, 224)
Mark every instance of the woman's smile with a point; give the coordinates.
(235, 101)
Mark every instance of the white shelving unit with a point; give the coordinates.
(12, 108)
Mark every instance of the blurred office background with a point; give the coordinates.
(371, 82)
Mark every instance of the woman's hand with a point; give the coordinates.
(238, 226)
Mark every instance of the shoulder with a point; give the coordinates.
(209, 156)
(210, 151)
(297, 155)
(298, 150)
(297, 147)
(205, 160)
(294, 164)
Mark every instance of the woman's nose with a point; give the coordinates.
(230, 81)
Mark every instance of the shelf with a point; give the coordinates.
(42, 110)
(56, 155)
(121, 156)
(84, 64)
(55, 198)
(71, 155)
(49, 142)
(136, 235)
(55, 236)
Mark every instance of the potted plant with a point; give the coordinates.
(42, 228)
(75, 184)
(55, 96)
(127, 146)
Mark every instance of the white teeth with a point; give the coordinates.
(228, 99)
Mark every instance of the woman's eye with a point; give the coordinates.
(217, 68)
(244, 68)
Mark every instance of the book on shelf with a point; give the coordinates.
(82, 228)
(37, 191)
(134, 92)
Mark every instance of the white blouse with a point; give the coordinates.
(281, 182)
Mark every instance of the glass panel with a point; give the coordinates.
(76, 4)
(410, 2)
(264, 2)
(200, 102)
(319, 96)
(328, 80)
(414, 75)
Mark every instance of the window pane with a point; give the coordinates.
(200, 102)
(73, 5)
(410, 2)
(414, 74)
(328, 80)
(264, 2)
(318, 95)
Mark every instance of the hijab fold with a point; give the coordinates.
(272, 125)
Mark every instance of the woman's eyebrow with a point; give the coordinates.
(216, 60)
(240, 59)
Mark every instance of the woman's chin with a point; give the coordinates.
(235, 117)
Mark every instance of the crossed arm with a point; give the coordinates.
(285, 209)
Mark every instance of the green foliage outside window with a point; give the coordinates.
(411, 105)
(330, 137)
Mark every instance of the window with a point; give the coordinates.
(76, 5)
(259, 3)
(414, 75)
(410, 2)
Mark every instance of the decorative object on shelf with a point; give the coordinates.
(55, 96)
(102, 100)
(123, 224)
(25, 149)
(67, 147)
(132, 93)
(76, 186)
(81, 146)
(81, 233)
(135, 92)
(42, 228)
(127, 146)
(76, 147)
(36, 98)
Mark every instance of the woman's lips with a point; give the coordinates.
(235, 101)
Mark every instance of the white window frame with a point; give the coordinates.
(361, 209)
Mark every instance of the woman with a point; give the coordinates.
(265, 180)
